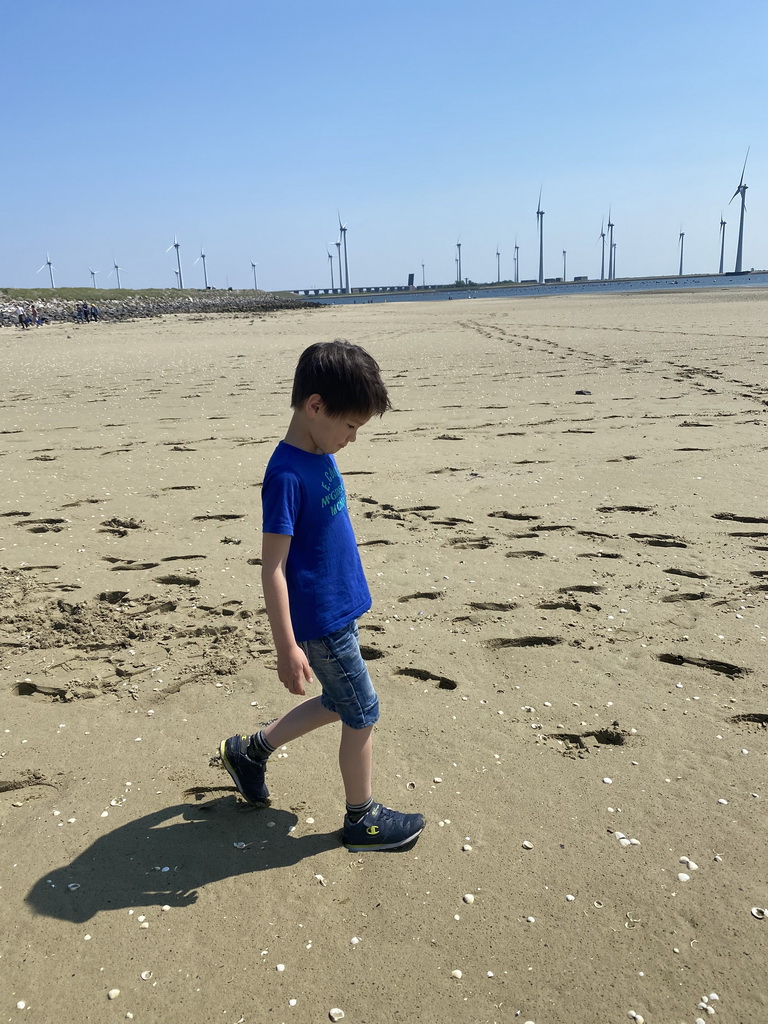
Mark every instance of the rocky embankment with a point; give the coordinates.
(135, 305)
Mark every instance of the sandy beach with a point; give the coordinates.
(564, 523)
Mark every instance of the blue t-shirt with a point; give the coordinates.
(303, 496)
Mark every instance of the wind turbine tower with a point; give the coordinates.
(116, 270)
(611, 250)
(50, 268)
(741, 191)
(423, 278)
(565, 278)
(338, 255)
(602, 257)
(205, 272)
(93, 274)
(681, 241)
(330, 263)
(498, 265)
(722, 241)
(253, 268)
(343, 233)
(175, 245)
(458, 263)
(540, 230)
(517, 262)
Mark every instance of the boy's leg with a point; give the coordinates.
(304, 718)
(245, 757)
(355, 762)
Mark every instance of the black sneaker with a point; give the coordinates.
(247, 774)
(381, 829)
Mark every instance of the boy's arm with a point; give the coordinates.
(292, 665)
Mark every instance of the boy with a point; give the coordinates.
(315, 589)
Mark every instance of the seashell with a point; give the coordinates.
(410, 785)
(165, 906)
(291, 1002)
(625, 842)
(634, 842)
(354, 940)
(468, 897)
(239, 846)
(714, 996)
(619, 835)
(20, 1005)
(693, 866)
(336, 1013)
(607, 781)
(761, 913)
(456, 974)
(321, 880)
(280, 968)
(145, 975)
(527, 845)
(437, 779)
(113, 993)
(466, 847)
(599, 904)
(531, 920)
(685, 860)
(723, 802)
(73, 886)
(144, 924)
(682, 877)
(570, 898)
(141, 917)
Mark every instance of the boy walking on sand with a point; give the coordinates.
(315, 590)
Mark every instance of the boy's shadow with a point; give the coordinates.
(125, 868)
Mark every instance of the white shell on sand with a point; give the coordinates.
(761, 913)
(336, 1013)
(113, 993)
(682, 877)
(456, 974)
(145, 975)
(468, 897)
(527, 845)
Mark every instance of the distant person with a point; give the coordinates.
(315, 590)
(94, 314)
(20, 313)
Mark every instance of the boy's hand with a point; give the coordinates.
(293, 670)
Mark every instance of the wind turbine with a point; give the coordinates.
(611, 249)
(175, 245)
(343, 233)
(116, 271)
(517, 262)
(498, 264)
(613, 258)
(50, 266)
(742, 191)
(93, 274)
(330, 262)
(205, 272)
(458, 262)
(602, 257)
(253, 268)
(540, 230)
(681, 242)
(564, 274)
(423, 279)
(722, 241)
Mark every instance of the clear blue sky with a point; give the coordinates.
(243, 126)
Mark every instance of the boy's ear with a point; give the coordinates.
(313, 405)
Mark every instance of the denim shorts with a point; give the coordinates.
(347, 688)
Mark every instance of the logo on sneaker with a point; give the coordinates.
(372, 830)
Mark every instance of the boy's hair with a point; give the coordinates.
(345, 376)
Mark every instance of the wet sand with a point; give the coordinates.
(564, 524)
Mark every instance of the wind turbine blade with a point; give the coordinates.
(743, 169)
(43, 267)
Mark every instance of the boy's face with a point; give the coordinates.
(332, 433)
